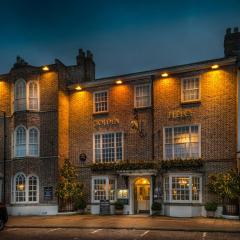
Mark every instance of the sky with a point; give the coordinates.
(124, 36)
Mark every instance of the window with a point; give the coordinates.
(182, 142)
(142, 96)
(20, 142)
(104, 188)
(33, 142)
(108, 147)
(190, 89)
(26, 142)
(33, 96)
(20, 95)
(100, 102)
(25, 189)
(26, 96)
(182, 188)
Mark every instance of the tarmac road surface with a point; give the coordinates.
(109, 234)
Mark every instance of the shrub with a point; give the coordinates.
(211, 206)
(80, 204)
(156, 206)
(119, 205)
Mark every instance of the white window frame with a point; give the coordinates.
(27, 142)
(187, 175)
(13, 199)
(150, 95)
(115, 146)
(94, 102)
(24, 99)
(182, 94)
(185, 125)
(27, 95)
(106, 178)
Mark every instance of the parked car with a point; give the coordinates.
(3, 215)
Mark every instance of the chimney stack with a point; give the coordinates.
(232, 43)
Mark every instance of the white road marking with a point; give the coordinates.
(11, 229)
(55, 229)
(145, 233)
(204, 235)
(96, 231)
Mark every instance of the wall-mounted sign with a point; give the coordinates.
(82, 157)
(106, 123)
(48, 193)
(179, 115)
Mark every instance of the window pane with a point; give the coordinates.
(180, 188)
(99, 189)
(32, 189)
(190, 89)
(20, 188)
(112, 190)
(33, 96)
(142, 96)
(195, 188)
(20, 142)
(101, 101)
(20, 95)
(33, 142)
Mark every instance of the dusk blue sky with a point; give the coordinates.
(125, 36)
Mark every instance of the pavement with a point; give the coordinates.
(130, 222)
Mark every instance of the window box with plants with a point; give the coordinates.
(119, 206)
(156, 208)
(211, 208)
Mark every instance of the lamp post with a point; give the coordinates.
(4, 155)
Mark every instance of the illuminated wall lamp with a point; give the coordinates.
(45, 68)
(215, 66)
(119, 82)
(164, 74)
(78, 88)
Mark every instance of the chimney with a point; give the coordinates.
(80, 57)
(89, 67)
(232, 43)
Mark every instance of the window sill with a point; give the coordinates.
(142, 108)
(21, 158)
(100, 113)
(191, 102)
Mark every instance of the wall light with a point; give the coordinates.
(215, 66)
(45, 68)
(78, 88)
(119, 82)
(164, 74)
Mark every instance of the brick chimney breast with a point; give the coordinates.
(232, 43)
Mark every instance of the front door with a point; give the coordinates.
(142, 196)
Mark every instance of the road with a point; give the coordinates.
(109, 234)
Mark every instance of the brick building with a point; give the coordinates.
(141, 137)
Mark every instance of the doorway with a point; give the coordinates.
(142, 195)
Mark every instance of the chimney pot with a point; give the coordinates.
(235, 29)
(228, 31)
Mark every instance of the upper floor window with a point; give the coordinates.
(190, 88)
(182, 142)
(142, 96)
(100, 102)
(25, 189)
(26, 96)
(108, 147)
(26, 142)
(20, 95)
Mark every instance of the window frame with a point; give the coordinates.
(28, 95)
(18, 81)
(94, 102)
(27, 143)
(115, 146)
(184, 125)
(199, 89)
(107, 179)
(135, 95)
(13, 195)
(185, 175)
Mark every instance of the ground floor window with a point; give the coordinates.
(103, 188)
(182, 188)
(25, 189)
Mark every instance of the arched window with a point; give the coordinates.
(25, 189)
(20, 95)
(20, 142)
(32, 188)
(33, 145)
(33, 95)
(20, 188)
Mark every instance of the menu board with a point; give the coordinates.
(104, 207)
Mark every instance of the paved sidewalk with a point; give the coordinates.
(126, 222)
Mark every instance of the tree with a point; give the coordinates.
(68, 188)
(225, 185)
